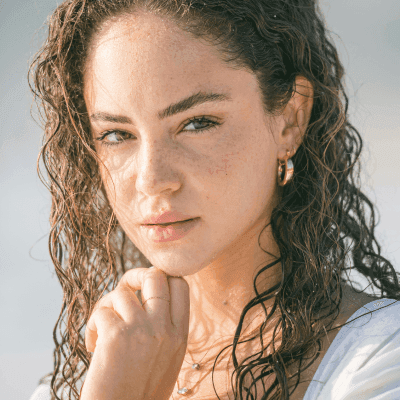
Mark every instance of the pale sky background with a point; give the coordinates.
(367, 33)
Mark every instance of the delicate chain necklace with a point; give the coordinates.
(195, 366)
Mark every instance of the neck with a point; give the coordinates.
(219, 292)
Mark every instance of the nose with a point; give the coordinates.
(156, 170)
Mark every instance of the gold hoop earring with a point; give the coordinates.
(285, 170)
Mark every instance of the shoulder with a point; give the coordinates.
(364, 359)
(351, 302)
(42, 392)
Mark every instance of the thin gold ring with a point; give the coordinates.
(155, 297)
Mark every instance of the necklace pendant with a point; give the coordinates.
(196, 366)
(183, 391)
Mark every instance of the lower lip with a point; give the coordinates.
(161, 233)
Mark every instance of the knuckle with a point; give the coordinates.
(90, 337)
(123, 291)
(179, 281)
(117, 335)
(154, 272)
(100, 302)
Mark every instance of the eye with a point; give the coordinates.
(193, 121)
(112, 133)
(201, 120)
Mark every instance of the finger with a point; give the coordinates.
(126, 304)
(107, 301)
(101, 328)
(156, 295)
(180, 305)
(154, 287)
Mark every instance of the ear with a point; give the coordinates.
(296, 116)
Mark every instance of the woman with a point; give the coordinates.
(209, 139)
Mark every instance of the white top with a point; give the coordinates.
(362, 363)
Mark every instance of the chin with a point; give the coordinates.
(178, 271)
(173, 265)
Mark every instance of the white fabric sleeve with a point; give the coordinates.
(42, 392)
(363, 361)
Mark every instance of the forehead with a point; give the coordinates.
(143, 59)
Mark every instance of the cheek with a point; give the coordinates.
(224, 165)
(116, 170)
(248, 163)
(244, 179)
(116, 187)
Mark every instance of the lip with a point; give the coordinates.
(166, 218)
(168, 233)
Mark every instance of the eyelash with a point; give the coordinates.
(202, 119)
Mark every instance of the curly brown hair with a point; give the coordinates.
(324, 225)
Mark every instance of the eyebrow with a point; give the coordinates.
(176, 108)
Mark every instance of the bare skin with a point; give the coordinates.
(200, 382)
(226, 176)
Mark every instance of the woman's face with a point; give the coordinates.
(224, 176)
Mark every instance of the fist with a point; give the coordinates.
(138, 350)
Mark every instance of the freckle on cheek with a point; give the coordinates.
(216, 171)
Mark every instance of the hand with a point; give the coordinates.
(138, 351)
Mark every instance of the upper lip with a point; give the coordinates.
(166, 217)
